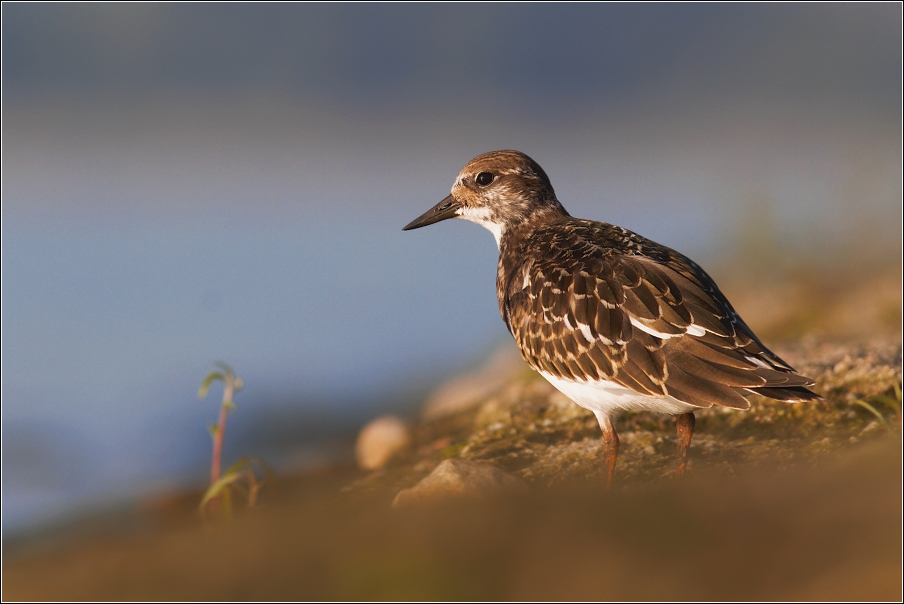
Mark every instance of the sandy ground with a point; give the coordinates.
(831, 531)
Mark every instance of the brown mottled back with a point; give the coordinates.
(587, 300)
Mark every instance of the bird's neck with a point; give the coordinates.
(517, 230)
(508, 225)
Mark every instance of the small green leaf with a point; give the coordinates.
(239, 465)
(875, 412)
(213, 429)
(205, 385)
(892, 400)
(218, 487)
(225, 368)
(889, 401)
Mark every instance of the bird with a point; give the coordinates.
(613, 320)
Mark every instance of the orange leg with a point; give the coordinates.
(610, 439)
(685, 432)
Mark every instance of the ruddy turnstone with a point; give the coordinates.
(613, 320)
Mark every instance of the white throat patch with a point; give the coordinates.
(481, 216)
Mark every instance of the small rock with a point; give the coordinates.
(380, 440)
(460, 478)
(873, 425)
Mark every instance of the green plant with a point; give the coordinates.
(222, 486)
(230, 481)
(892, 401)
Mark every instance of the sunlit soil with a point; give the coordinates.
(826, 531)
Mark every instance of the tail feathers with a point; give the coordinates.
(789, 394)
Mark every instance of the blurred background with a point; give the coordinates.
(190, 182)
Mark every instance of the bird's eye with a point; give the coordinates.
(484, 178)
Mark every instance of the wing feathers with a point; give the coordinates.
(584, 309)
(720, 374)
(789, 395)
(682, 383)
(713, 354)
(642, 300)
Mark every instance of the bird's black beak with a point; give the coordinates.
(447, 208)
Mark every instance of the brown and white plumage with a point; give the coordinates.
(613, 320)
(588, 301)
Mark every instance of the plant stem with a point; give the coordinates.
(215, 464)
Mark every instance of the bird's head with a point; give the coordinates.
(497, 190)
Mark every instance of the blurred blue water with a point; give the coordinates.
(108, 331)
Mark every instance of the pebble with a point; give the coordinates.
(380, 440)
(873, 425)
(460, 478)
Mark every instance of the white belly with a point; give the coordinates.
(609, 398)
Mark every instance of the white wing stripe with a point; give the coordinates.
(653, 332)
(694, 330)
